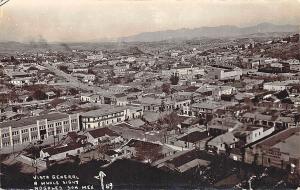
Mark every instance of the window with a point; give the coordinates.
(24, 130)
(58, 124)
(89, 125)
(66, 122)
(5, 135)
(6, 144)
(43, 127)
(25, 139)
(33, 129)
(34, 137)
(74, 120)
(66, 129)
(51, 133)
(15, 133)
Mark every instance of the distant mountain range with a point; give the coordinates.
(210, 32)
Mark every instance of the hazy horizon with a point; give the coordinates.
(88, 20)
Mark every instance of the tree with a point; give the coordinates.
(63, 68)
(102, 149)
(148, 153)
(174, 79)
(166, 88)
(73, 91)
(39, 95)
(172, 120)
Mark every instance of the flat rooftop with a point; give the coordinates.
(104, 110)
(287, 141)
(32, 120)
(212, 104)
(290, 145)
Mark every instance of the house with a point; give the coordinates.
(144, 151)
(280, 122)
(50, 94)
(61, 152)
(207, 108)
(71, 144)
(101, 135)
(195, 139)
(184, 161)
(280, 85)
(220, 126)
(190, 122)
(95, 57)
(80, 70)
(90, 97)
(252, 133)
(121, 99)
(21, 81)
(222, 142)
(89, 77)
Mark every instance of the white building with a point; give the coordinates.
(183, 72)
(97, 57)
(279, 85)
(227, 74)
(251, 134)
(21, 81)
(61, 152)
(95, 98)
(108, 115)
(36, 128)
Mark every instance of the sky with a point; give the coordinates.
(88, 20)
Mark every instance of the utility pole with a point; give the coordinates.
(13, 143)
(54, 138)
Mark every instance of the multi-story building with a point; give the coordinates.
(102, 117)
(252, 133)
(224, 73)
(280, 151)
(279, 85)
(108, 115)
(18, 132)
(183, 71)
